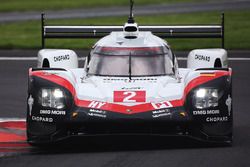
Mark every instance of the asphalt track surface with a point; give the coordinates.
(125, 151)
(209, 5)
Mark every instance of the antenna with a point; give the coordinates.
(131, 15)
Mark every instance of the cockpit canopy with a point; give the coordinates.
(129, 61)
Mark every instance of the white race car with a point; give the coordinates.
(130, 85)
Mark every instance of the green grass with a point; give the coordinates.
(34, 5)
(28, 34)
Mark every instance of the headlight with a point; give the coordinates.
(205, 98)
(53, 98)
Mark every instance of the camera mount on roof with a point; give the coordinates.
(130, 28)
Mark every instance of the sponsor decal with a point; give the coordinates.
(129, 96)
(42, 119)
(202, 58)
(206, 112)
(229, 104)
(97, 113)
(30, 103)
(161, 105)
(161, 113)
(61, 58)
(132, 88)
(216, 119)
(52, 112)
(96, 104)
(129, 80)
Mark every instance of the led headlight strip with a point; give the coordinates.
(53, 98)
(205, 98)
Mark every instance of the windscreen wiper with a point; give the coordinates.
(129, 68)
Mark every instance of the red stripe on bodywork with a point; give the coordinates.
(203, 79)
(125, 109)
(56, 79)
(122, 108)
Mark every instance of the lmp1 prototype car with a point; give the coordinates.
(130, 85)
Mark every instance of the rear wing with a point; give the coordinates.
(183, 31)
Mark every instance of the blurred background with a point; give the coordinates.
(20, 25)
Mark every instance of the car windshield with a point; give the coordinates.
(148, 61)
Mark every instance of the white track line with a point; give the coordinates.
(24, 58)
(82, 58)
(239, 59)
(12, 120)
(17, 58)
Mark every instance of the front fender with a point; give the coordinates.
(217, 120)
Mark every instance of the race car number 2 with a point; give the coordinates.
(129, 96)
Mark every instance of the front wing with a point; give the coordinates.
(85, 118)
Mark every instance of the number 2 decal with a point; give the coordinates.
(129, 96)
